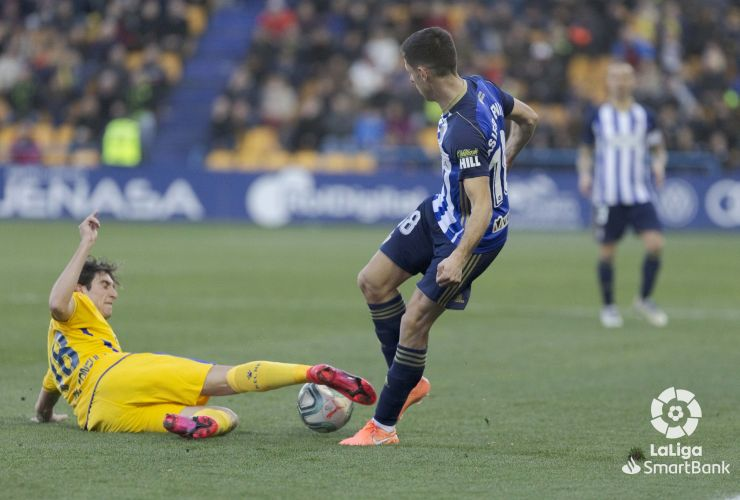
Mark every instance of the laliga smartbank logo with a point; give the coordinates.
(675, 414)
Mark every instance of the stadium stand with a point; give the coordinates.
(251, 85)
(326, 76)
(66, 67)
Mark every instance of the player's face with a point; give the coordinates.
(620, 80)
(416, 77)
(103, 293)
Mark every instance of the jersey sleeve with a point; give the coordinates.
(48, 383)
(507, 101)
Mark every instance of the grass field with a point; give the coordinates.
(531, 398)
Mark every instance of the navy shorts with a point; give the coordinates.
(610, 223)
(417, 245)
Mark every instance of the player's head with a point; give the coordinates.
(620, 80)
(429, 54)
(99, 282)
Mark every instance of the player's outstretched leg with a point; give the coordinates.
(201, 422)
(191, 427)
(355, 388)
(259, 376)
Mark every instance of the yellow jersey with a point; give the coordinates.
(77, 344)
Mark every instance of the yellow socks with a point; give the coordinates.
(258, 376)
(225, 420)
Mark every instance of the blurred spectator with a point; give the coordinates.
(83, 150)
(549, 53)
(121, 139)
(24, 150)
(279, 101)
(222, 131)
(68, 61)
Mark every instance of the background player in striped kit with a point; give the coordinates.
(621, 146)
(453, 236)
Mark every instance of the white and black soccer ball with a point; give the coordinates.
(323, 409)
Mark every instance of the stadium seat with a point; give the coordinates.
(134, 60)
(427, 138)
(220, 159)
(259, 140)
(364, 163)
(84, 158)
(197, 20)
(43, 134)
(172, 66)
(307, 159)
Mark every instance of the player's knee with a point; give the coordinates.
(655, 246)
(373, 292)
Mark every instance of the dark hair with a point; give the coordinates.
(433, 48)
(94, 266)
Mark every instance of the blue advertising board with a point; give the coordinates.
(539, 199)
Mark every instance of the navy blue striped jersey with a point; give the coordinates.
(622, 141)
(472, 141)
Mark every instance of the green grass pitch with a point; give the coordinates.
(531, 398)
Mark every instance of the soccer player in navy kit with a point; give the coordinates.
(452, 237)
(625, 137)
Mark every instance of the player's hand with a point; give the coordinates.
(89, 228)
(449, 271)
(584, 184)
(52, 418)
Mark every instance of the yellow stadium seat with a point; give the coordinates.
(172, 66)
(427, 139)
(43, 134)
(197, 19)
(54, 156)
(64, 134)
(259, 140)
(220, 159)
(84, 158)
(307, 159)
(335, 163)
(364, 163)
(134, 60)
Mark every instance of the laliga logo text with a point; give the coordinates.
(675, 414)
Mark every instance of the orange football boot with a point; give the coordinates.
(371, 435)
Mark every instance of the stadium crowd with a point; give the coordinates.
(68, 68)
(326, 74)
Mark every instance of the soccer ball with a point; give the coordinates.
(323, 409)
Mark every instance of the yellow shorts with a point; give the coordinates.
(138, 390)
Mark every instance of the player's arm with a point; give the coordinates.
(61, 303)
(659, 159)
(48, 397)
(584, 165)
(523, 122)
(45, 408)
(449, 271)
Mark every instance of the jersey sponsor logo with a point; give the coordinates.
(464, 153)
(501, 222)
(469, 162)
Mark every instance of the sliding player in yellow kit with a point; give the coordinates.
(112, 390)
